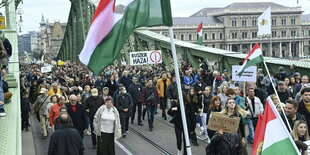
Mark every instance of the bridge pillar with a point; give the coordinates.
(240, 48)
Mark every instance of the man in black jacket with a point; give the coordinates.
(150, 99)
(66, 140)
(92, 104)
(199, 86)
(78, 114)
(135, 90)
(291, 113)
(123, 105)
(304, 105)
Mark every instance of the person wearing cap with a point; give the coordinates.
(39, 107)
(105, 93)
(54, 90)
(199, 86)
(92, 104)
(283, 92)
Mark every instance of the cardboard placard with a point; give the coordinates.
(248, 75)
(219, 121)
(145, 57)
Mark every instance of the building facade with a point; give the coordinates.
(234, 28)
(50, 37)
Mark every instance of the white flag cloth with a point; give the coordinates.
(264, 23)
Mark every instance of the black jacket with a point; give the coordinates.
(199, 88)
(93, 103)
(112, 87)
(291, 122)
(150, 96)
(66, 141)
(227, 144)
(79, 117)
(124, 101)
(135, 91)
(303, 111)
(172, 91)
(205, 100)
(25, 107)
(177, 118)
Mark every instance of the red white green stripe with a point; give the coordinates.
(271, 135)
(255, 56)
(199, 32)
(109, 30)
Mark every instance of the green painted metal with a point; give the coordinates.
(80, 16)
(225, 58)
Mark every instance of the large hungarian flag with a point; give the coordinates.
(255, 56)
(199, 32)
(271, 136)
(109, 30)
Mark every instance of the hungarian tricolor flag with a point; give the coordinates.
(255, 56)
(271, 136)
(109, 30)
(199, 32)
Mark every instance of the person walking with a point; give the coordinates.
(78, 114)
(107, 127)
(123, 105)
(92, 104)
(135, 90)
(66, 140)
(39, 107)
(161, 86)
(150, 99)
(25, 109)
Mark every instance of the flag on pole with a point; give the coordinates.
(255, 56)
(264, 23)
(199, 32)
(109, 31)
(271, 135)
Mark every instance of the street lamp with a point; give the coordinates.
(20, 21)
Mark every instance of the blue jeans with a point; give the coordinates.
(250, 137)
(150, 114)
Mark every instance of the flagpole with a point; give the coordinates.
(275, 90)
(177, 74)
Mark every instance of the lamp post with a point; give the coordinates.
(20, 21)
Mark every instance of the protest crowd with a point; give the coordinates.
(71, 102)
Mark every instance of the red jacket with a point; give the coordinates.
(54, 113)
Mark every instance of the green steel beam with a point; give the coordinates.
(226, 58)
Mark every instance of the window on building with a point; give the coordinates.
(213, 36)
(213, 46)
(243, 22)
(274, 33)
(206, 36)
(293, 33)
(293, 21)
(189, 36)
(182, 36)
(174, 36)
(233, 23)
(283, 34)
(221, 46)
(274, 21)
(221, 35)
(244, 35)
(283, 21)
(234, 35)
(254, 34)
(254, 22)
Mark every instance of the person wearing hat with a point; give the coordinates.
(39, 107)
(283, 92)
(54, 90)
(105, 93)
(92, 104)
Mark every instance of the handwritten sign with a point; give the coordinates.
(248, 75)
(219, 121)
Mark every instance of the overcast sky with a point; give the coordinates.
(58, 10)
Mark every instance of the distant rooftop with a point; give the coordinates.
(254, 5)
(195, 20)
